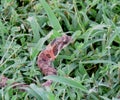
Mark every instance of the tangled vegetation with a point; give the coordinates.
(87, 69)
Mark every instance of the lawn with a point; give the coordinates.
(87, 69)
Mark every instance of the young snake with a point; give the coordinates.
(49, 54)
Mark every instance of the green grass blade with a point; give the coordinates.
(35, 28)
(68, 81)
(113, 36)
(90, 42)
(97, 61)
(37, 92)
(53, 20)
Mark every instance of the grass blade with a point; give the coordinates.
(53, 20)
(35, 28)
(37, 92)
(97, 61)
(68, 81)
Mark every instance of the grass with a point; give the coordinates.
(88, 69)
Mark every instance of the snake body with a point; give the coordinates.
(49, 54)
